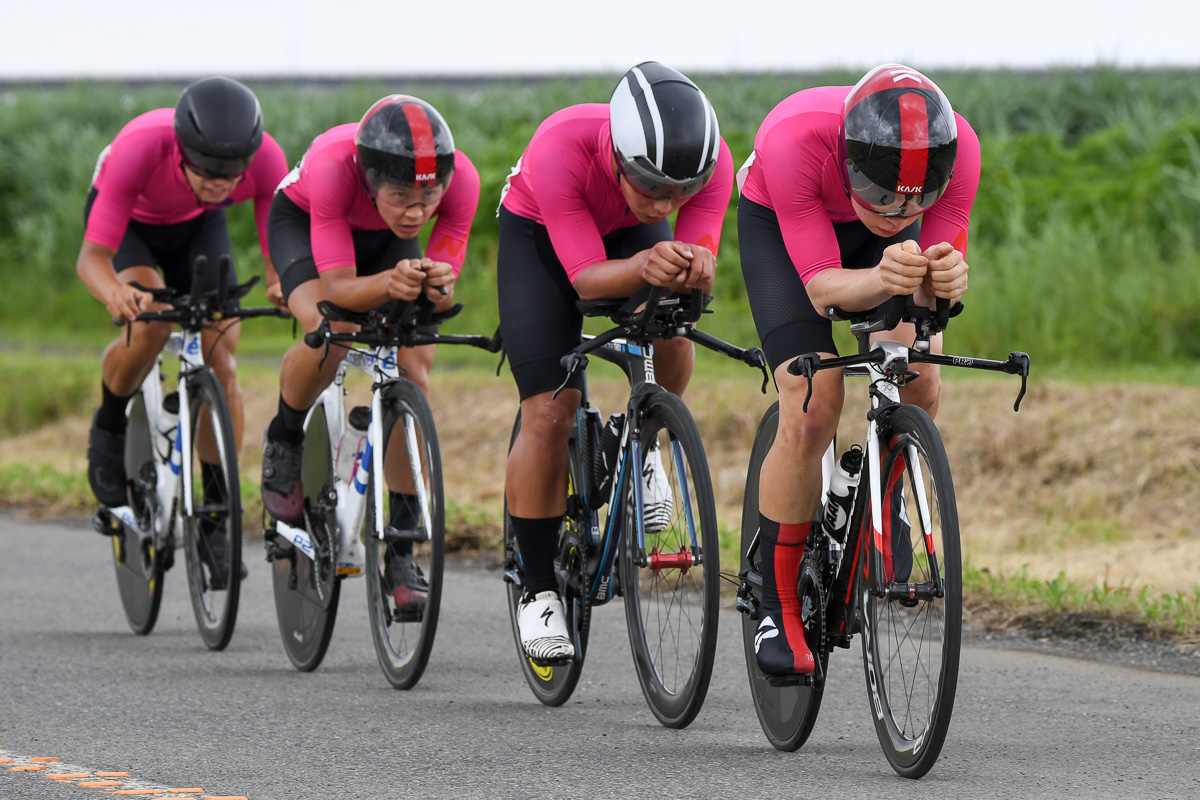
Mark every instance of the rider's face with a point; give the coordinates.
(879, 225)
(210, 190)
(649, 209)
(406, 209)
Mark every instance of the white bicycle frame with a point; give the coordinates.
(172, 451)
(380, 364)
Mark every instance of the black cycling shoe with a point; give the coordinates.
(213, 554)
(282, 490)
(408, 586)
(106, 465)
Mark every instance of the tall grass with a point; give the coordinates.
(1083, 238)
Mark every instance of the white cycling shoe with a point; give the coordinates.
(657, 497)
(543, 628)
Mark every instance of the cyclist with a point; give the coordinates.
(343, 228)
(157, 201)
(584, 215)
(828, 216)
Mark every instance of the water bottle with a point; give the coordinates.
(840, 499)
(167, 423)
(352, 442)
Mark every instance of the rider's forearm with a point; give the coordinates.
(95, 268)
(848, 289)
(349, 291)
(619, 277)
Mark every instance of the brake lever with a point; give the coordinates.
(572, 362)
(1019, 365)
(805, 365)
(756, 358)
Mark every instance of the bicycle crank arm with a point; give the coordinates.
(112, 521)
(296, 537)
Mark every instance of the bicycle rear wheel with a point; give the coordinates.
(672, 584)
(307, 588)
(403, 637)
(139, 564)
(911, 636)
(553, 685)
(786, 712)
(212, 534)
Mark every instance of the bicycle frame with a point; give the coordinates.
(380, 363)
(174, 462)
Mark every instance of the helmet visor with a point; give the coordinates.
(213, 167)
(888, 202)
(648, 180)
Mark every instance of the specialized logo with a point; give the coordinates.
(546, 615)
(766, 630)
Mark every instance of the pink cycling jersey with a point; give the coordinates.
(797, 173)
(140, 176)
(565, 181)
(329, 186)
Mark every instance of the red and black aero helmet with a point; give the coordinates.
(900, 139)
(664, 130)
(218, 122)
(404, 141)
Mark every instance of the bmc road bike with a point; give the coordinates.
(181, 463)
(345, 530)
(665, 565)
(892, 573)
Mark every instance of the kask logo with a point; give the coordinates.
(426, 176)
(902, 189)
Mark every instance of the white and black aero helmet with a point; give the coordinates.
(664, 131)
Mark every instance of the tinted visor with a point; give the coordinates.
(886, 202)
(213, 167)
(646, 178)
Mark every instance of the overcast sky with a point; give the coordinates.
(258, 38)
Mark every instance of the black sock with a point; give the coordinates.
(406, 515)
(537, 539)
(111, 414)
(212, 477)
(288, 424)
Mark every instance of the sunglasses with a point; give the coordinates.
(649, 182)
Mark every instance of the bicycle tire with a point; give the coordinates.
(553, 685)
(911, 643)
(307, 589)
(786, 713)
(215, 527)
(138, 563)
(671, 604)
(403, 644)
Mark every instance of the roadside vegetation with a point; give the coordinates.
(1084, 250)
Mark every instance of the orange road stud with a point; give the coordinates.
(67, 776)
(27, 769)
(99, 784)
(112, 774)
(42, 760)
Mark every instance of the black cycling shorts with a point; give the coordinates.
(788, 325)
(538, 318)
(174, 248)
(289, 240)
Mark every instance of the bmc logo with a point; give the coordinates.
(901, 189)
(426, 176)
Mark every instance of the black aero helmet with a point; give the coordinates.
(218, 122)
(403, 140)
(901, 140)
(664, 130)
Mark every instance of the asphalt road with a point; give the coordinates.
(76, 685)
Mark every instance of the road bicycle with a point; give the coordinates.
(181, 463)
(666, 568)
(345, 530)
(893, 573)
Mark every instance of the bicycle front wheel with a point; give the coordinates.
(403, 634)
(212, 533)
(553, 685)
(671, 577)
(307, 587)
(912, 601)
(138, 562)
(786, 712)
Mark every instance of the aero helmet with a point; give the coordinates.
(664, 130)
(219, 125)
(900, 138)
(403, 140)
